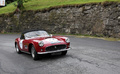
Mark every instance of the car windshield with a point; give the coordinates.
(34, 34)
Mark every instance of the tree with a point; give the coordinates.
(10, 1)
(20, 3)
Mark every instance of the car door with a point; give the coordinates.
(25, 45)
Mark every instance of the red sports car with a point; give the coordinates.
(37, 42)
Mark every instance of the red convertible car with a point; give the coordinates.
(38, 42)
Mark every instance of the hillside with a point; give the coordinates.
(42, 4)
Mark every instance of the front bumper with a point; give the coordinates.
(53, 51)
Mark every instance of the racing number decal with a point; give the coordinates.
(26, 47)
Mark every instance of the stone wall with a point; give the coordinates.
(101, 19)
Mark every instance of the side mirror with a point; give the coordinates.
(51, 35)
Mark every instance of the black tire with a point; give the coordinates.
(17, 49)
(34, 53)
(64, 53)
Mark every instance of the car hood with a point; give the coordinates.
(49, 40)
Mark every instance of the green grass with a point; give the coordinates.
(77, 35)
(8, 9)
(43, 4)
(103, 38)
(89, 36)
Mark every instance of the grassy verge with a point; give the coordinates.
(44, 4)
(78, 36)
(103, 38)
(8, 9)
(89, 36)
(10, 33)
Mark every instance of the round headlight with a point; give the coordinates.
(67, 40)
(41, 43)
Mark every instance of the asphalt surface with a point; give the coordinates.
(87, 56)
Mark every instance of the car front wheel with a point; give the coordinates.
(34, 53)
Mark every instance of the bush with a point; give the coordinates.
(10, 1)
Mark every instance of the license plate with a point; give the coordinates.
(56, 53)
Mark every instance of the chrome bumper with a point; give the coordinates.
(53, 51)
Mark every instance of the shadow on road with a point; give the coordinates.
(43, 57)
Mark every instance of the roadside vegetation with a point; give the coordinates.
(103, 38)
(78, 36)
(44, 4)
(89, 36)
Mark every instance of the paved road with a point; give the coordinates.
(88, 56)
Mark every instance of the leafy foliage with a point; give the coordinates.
(10, 1)
(20, 3)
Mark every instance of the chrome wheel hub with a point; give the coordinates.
(33, 55)
(17, 48)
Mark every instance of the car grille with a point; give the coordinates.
(55, 47)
